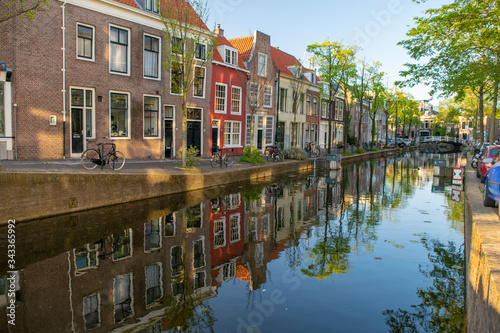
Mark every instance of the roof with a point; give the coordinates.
(244, 46)
(128, 2)
(284, 61)
(178, 10)
(221, 40)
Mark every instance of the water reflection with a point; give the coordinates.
(164, 273)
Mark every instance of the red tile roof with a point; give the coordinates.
(244, 46)
(181, 10)
(128, 2)
(283, 61)
(221, 40)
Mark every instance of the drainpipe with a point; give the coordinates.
(64, 77)
(15, 130)
(277, 108)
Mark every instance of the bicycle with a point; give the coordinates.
(312, 149)
(274, 154)
(221, 157)
(94, 157)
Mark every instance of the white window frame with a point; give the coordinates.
(204, 81)
(130, 293)
(216, 233)
(233, 56)
(154, 6)
(255, 84)
(202, 240)
(231, 140)
(129, 121)
(143, 57)
(234, 100)
(160, 279)
(218, 84)
(259, 72)
(128, 50)
(268, 92)
(84, 107)
(205, 54)
(159, 136)
(92, 59)
(238, 224)
(98, 294)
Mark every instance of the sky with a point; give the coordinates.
(375, 25)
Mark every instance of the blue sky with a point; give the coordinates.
(376, 25)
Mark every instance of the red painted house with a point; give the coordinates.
(228, 96)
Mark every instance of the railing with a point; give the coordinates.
(423, 139)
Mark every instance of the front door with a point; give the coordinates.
(194, 134)
(259, 139)
(168, 138)
(77, 131)
(215, 139)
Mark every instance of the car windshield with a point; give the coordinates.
(494, 152)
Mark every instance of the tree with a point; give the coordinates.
(333, 61)
(377, 99)
(366, 76)
(20, 8)
(189, 48)
(298, 91)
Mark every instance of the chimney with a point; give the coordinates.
(219, 31)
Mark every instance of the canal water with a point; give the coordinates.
(375, 247)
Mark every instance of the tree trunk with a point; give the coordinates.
(359, 122)
(481, 113)
(494, 113)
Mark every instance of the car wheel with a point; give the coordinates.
(478, 174)
(482, 179)
(487, 201)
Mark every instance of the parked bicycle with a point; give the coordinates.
(222, 157)
(274, 154)
(94, 157)
(312, 149)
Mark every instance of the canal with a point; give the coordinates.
(374, 247)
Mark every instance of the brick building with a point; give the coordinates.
(93, 69)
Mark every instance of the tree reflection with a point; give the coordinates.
(442, 304)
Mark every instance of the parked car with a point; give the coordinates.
(400, 143)
(491, 186)
(489, 155)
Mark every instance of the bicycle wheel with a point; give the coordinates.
(315, 152)
(215, 160)
(279, 157)
(228, 159)
(269, 156)
(89, 157)
(116, 161)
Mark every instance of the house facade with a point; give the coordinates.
(255, 51)
(102, 76)
(228, 96)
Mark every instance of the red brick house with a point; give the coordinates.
(93, 69)
(228, 96)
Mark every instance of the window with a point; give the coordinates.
(219, 233)
(220, 97)
(85, 42)
(119, 114)
(283, 98)
(198, 253)
(151, 57)
(199, 82)
(91, 306)
(176, 78)
(231, 57)
(232, 133)
(308, 105)
(122, 247)
(176, 260)
(151, 124)
(234, 228)
(122, 294)
(87, 257)
(341, 110)
(323, 109)
(269, 130)
(152, 6)
(152, 239)
(169, 225)
(193, 216)
(248, 134)
(81, 99)
(301, 110)
(200, 51)
(118, 50)
(262, 69)
(254, 94)
(153, 283)
(315, 106)
(177, 45)
(268, 96)
(236, 100)
(199, 280)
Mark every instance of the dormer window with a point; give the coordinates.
(152, 6)
(231, 57)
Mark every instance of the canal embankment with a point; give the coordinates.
(39, 192)
(483, 259)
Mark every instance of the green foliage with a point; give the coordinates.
(372, 149)
(251, 155)
(295, 153)
(345, 153)
(21, 8)
(352, 140)
(191, 156)
(359, 151)
(252, 195)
